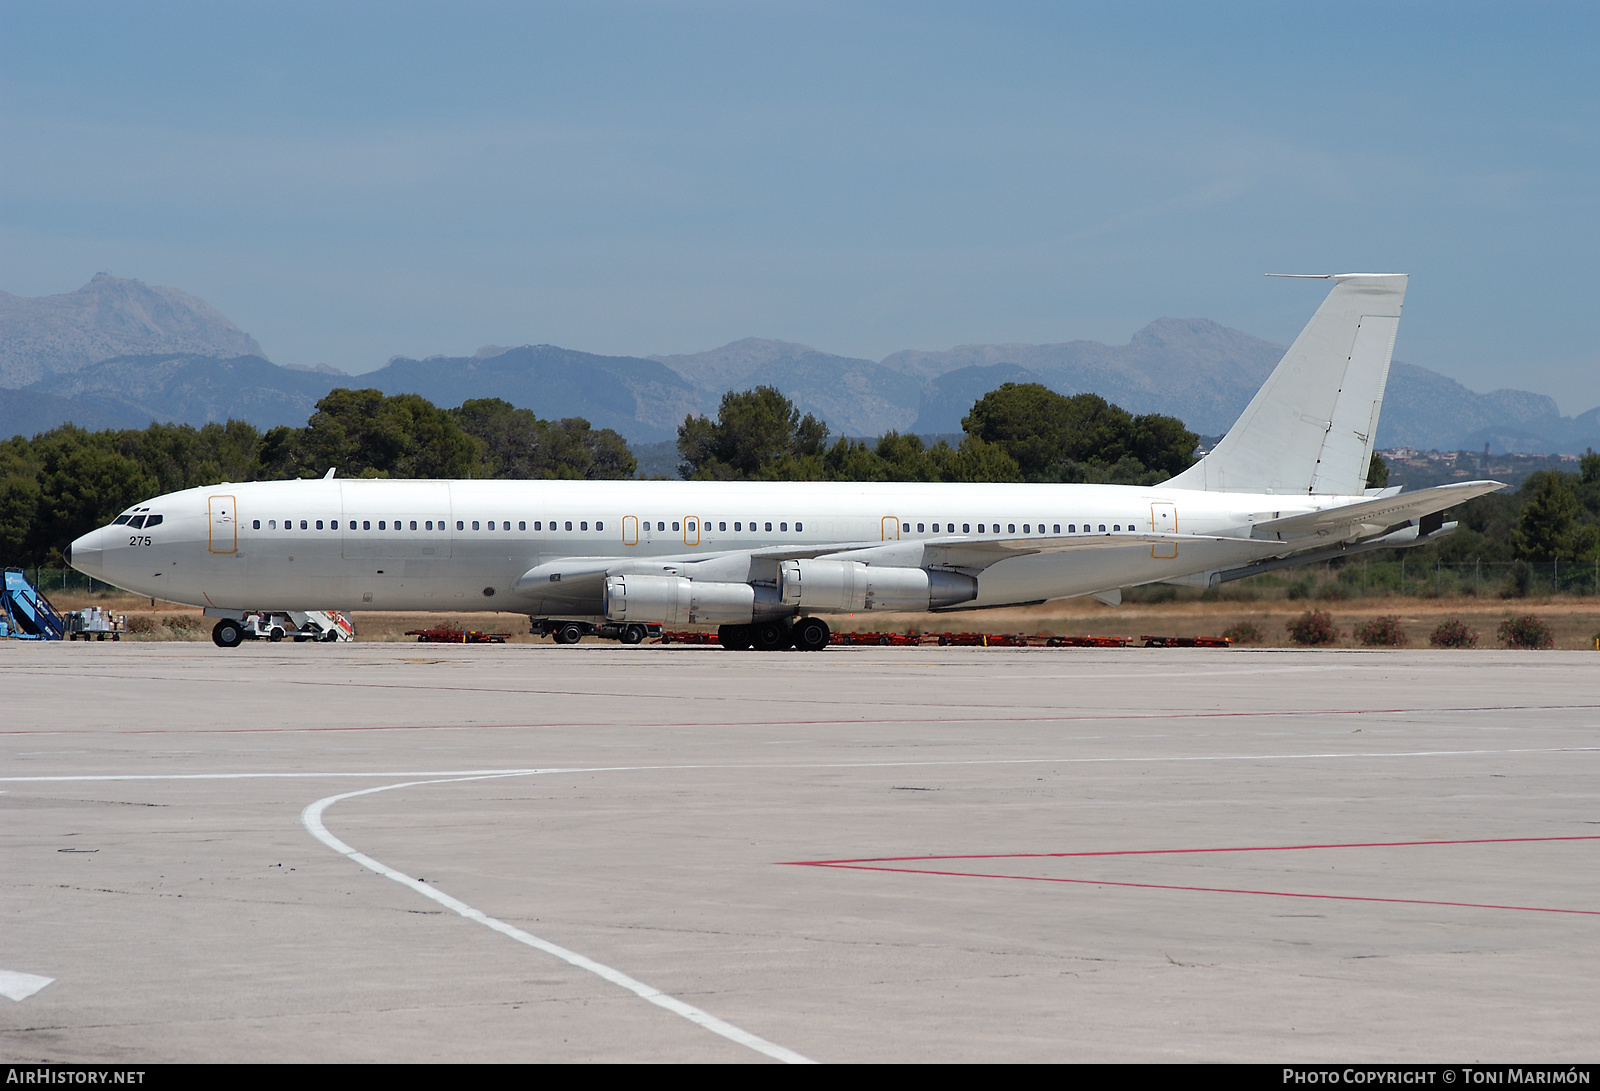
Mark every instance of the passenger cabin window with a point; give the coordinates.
(521, 525)
(302, 524)
(674, 524)
(722, 526)
(569, 524)
(1011, 528)
(459, 525)
(769, 526)
(798, 528)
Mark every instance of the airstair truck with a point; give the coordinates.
(25, 614)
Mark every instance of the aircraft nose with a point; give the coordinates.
(86, 554)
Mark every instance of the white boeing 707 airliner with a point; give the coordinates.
(767, 561)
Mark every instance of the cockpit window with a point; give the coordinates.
(136, 522)
(152, 521)
(119, 520)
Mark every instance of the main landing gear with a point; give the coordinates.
(808, 634)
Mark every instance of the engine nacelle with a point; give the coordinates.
(673, 600)
(850, 587)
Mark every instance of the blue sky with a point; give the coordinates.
(351, 182)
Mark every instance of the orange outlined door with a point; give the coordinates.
(224, 525)
(1164, 520)
(889, 527)
(691, 530)
(630, 530)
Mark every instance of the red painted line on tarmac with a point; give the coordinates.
(1220, 890)
(878, 864)
(1158, 852)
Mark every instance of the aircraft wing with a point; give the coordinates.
(977, 555)
(1380, 512)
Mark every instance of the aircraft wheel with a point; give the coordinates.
(736, 638)
(227, 633)
(633, 634)
(811, 634)
(771, 636)
(569, 634)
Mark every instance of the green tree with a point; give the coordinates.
(1053, 437)
(1377, 472)
(1553, 525)
(758, 434)
(363, 433)
(82, 484)
(517, 444)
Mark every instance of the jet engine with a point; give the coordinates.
(850, 586)
(673, 600)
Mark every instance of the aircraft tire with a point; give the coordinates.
(736, 638)
(811, 634)
(227, 633)
(771, 636)
(633, 634)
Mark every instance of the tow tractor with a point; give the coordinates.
(323, 626)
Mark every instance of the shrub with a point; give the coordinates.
(1312, 628)
(141, 623)
(182, 623)
(1243, 633)
(1526, 631)
(1331, 592)
(1454, 633)
(1301, 588)
(1381, 632)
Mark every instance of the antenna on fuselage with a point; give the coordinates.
(329, 475)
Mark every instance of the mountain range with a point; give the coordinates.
(119, 353)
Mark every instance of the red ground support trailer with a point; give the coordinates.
(1088, 642)
(982, 640)
(897, 640)
(1186, 641)
(686, 637)
(455, 636)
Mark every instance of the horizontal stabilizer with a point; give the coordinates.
(1381, 512)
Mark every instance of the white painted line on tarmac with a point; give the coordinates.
(791, 766)
(20, 986)
(312, 817)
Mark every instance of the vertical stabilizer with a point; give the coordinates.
(1310, 427)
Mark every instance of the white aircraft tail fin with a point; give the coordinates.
(1310, 427)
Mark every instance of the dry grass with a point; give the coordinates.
(1574, 620)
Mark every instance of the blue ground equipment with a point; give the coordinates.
(25, 614)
